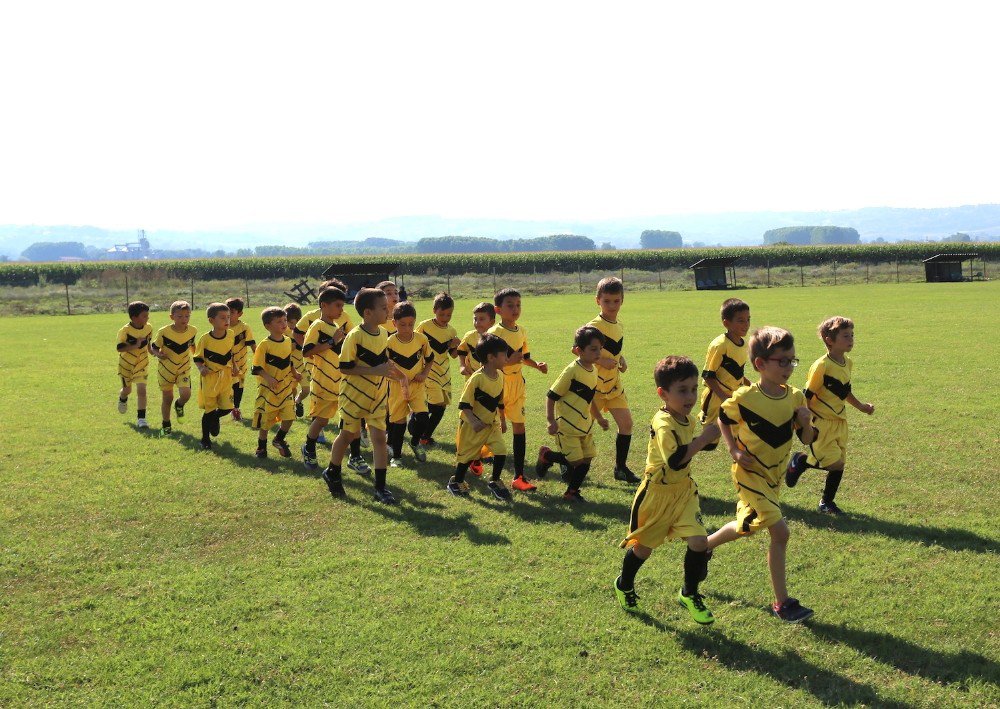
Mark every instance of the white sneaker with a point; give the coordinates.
(359, 465)
(395, 463)
(141, 423)
(122, 406)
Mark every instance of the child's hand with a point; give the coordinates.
(269, 380)
(603, 423)
(339, 335)
(867, 409)
(235, 370)
(553, 428)
(621, 364)
(741, 457)
(607, 363)
(543, 368)
(296, 376)
(453, 343)
(515, 358)
(465, 371)
(477, 424)
(203, 369)
(711, 432)
(803, 416)
(503, 425)
(419, 378)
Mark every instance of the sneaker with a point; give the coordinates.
(322, 439)
(796, 466)
(829, 508)
(335, 485)
(455, 488)
(428, 443)
(542, 465)
(206, 445)
(394, 462)
(696, 607)
(237, 416)
(215, 426)
(309, 460)
(573, 495)
(791, 611)
(359, 465)
(522, 484)
(628, 599)
(141, 423)
(626, 475)
(465, 487)
(179, 410)
(418, 452)
(300, 410)
(261, 452)
(366, 442)
(476, 468)
(166, 432)
(384, 496)
(122, 406)
(283, 450)
(499, 490)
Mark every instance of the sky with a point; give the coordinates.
(191, 115)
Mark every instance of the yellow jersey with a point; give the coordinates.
(243, 341)
(389, 325)
(275, 358)
(669, 438)
(410, 357)
(367, 392)
(573, 391)
(763, 427)
(136, 361)
(177, 346)
(440, 341)
(609, 381)
(216, 353)
(827, 386)
(517, 341)
(325, 371)
(467, 348)
(483, 396)
(298, 362)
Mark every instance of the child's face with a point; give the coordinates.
(610, 303)
(680, 396)
(740, 324)
(443, 315)
(843, 341)
(404, 327)
(392, 297)
(140, 320)
(234, 316)
(778, 367)
(181, 318)
(483, 321)
(510, 309)
(220, 321)
(277, 327)
(378, 312)
(591, 353)
(498, 360)
(332, 311)
(290, 321)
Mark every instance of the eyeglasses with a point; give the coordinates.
(784, 361)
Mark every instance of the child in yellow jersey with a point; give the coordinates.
(242, 351)
(610, 395)
(828, 386)
(444, 343)
(322, 347)
(299, 331)
(411, 352)
(573, 399)
(133, 358)
(293, 313)
(666, 505)
(173, 346)
(391, 301)
(214, 359)
(481, 418)
(274, 369)
(484, 316)
(507, 303)
(725, 361)
(366, 368)
(757, 423)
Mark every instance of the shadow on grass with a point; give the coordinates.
(244, 457)
(859, 523)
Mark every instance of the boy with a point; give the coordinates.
(481, 419)
(757, 422)
(243, 339)
(133, 358)
(214, 359)
(392, 300)
(507, 304)
(293, 313)
(827, 388)
(666, 505)
(173, 346)
(321, 348)
(411, 352)
(572, 397)
(276, 375)
(444, 342)
(484, 316)
(610, 392)
(299, 331)
(725, 361)
(364, 391)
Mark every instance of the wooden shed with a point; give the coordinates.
(361, 275)
(716, 273)
(947, 268)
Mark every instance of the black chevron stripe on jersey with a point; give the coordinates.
(218, 357)
(238, 339)
(613, 346)
(773, 435)
(582, 390)
(278, 362)
(730, 365)
(439, 347)
(403, 361)
(177, 347)
(840, 389)
(369, 358)
(490, 403)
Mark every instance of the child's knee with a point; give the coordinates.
(640, 551)
(779, 532)
(168, 395)
(517, 428)
(699, 543)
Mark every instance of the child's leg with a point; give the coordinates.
(460, 470)
(397, 432)
(498, 463)
(435, 412)
(303, 391)
(339, 447)
(520, 443)
(140, 390)
(262, 439)
(185, 395)
(418, 427)
(834, 475)
(623, 419)
(776, 559)
(312, 435)
(237, 394)
(356, 441)
(723, 535)
(283, 430)
(380, 456)
(635, 557)
(695, 564)
(207, 420)
(124, 391)
(168, 399)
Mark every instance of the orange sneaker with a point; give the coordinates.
(476, 468)
(237, 416)
(521, 483)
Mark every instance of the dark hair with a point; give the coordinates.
(235, 304)
(673, 369)
(136, 308)
(404, 310)
(505, 293)
(485, 307)
(443, 301)
(332, 283)
(732, 306)
(332, 295)
(587, 334)
(610, 285)
(269, 314)
(292, 310)
(831, 327)
(215, 308)
(490, 345)
(366, 298)
(766, 340)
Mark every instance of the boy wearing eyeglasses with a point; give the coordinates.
(757, 423)
(828, 387)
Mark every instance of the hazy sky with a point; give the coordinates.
(201, 114)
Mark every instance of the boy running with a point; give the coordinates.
(214, 359)
(133, 358)
(243, 347)
(411, 353)
(273, 367)
(444, 342)
(173, 346)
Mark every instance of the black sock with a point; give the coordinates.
(334, 471)
(397, 432)
(216, 418)
(833, 479)
(280, 435)
(356, 448)
(311, 444)
(123, 399)
(520, 443)
(622, 443)
(498, 461)
(577, 475)
(237, 395)
(206, 425)
(417, 426)
(166, 424)
(695, 569)
(380, 478)
(262, 443)
(556, 457)
(630, 566)
(460, 470)
(434, 415)
(140, 413)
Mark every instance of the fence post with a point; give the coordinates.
(246, 291)
(897, 270)
(579, 274)
(834, 273)
(127, 299)
(623, 274)
(67, 298)
(659, 277)
(769, 273)
(494, 269)
(192, 294)
(802, 276)
(448, 276)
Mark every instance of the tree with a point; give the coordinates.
(802, 235)
(957, 237)
(659, 239)
(608, 246)
(54, 250)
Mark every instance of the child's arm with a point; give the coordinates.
(550, 415)
(863, 408)
(683, 455)
(474, 421)
(741, 457)
(156, 351)
(540, 366)
(453, 345)
(422, 374)
(622, 366)
(463, 364)
(803, 420)
(595, 411)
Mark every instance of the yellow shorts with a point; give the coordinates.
(129, 378)
(401, 403)
(757, 506)
(514, 395)
(710, 405)
(615, 400)
(323, 408)
(351, 414)
(662, 512)
(830, 445)
(438, 396)
(266, 416)
(469, 443)
(306, 373)
(216, 391)
(168, 380)
(576, 448)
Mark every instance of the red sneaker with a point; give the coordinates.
(522, 484)
(476, 468)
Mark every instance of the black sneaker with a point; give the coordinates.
(796, 466)
(384, 496)
(791, 611)
(455, 488)
(300, 410)
(283, 450)
(206, 445)
(309, 460)
(499, 490)
(335, 485)
(626, 475)
(179, 410)
(829, 508)
(261, 452)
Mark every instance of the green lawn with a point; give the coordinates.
(137, 570)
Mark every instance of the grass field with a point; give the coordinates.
(139, 570)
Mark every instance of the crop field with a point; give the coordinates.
(141, 570)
